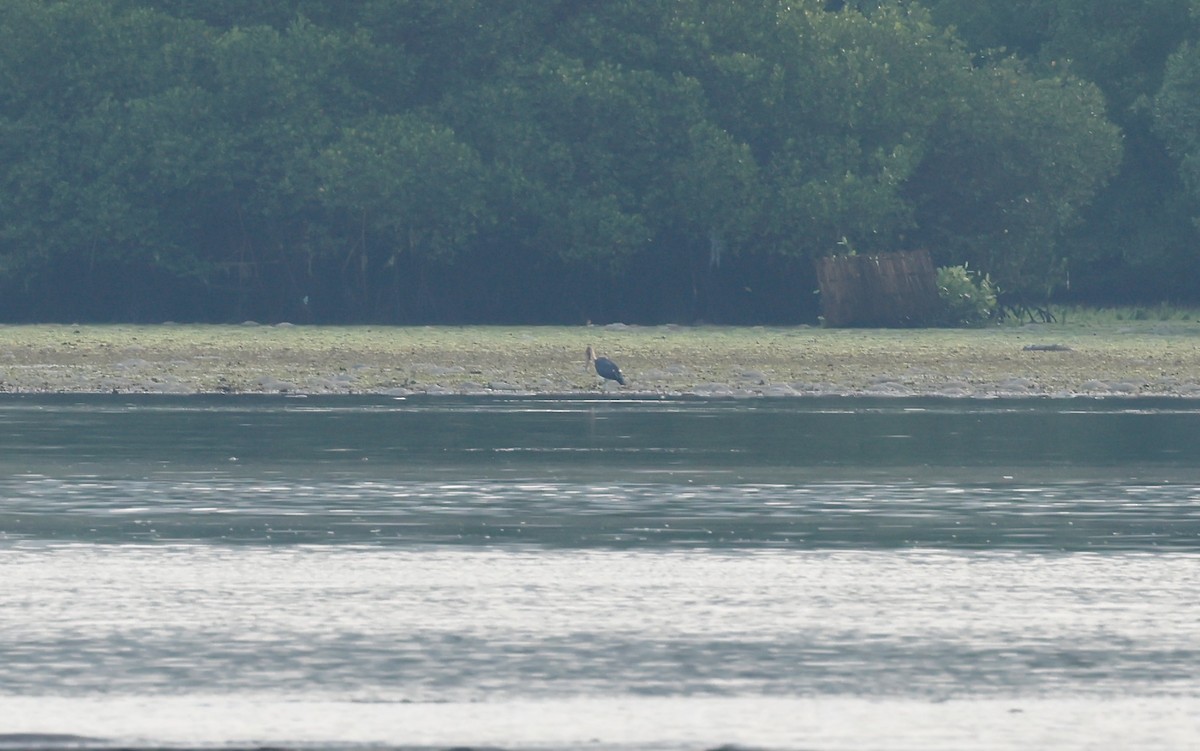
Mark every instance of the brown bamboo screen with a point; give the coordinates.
(893, 289)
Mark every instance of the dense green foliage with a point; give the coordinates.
(565, 160)
(968, 299)
(1136, 242)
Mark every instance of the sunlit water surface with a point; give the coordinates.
(538, 573)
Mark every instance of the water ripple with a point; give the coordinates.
(1062, 517)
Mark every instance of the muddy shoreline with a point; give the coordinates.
(1136, 359)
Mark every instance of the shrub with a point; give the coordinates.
(968, 299)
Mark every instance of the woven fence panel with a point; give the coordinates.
(890, 290)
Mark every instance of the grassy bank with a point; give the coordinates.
(1092, 355)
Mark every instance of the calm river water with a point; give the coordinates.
(531, 573)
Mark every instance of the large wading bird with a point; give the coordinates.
(605, 368)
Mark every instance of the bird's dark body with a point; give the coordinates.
(608, 369)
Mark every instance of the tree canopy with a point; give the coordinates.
(562, 161)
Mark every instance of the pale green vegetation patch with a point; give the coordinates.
(1089, 354)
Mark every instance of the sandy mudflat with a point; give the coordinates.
(1127, 359)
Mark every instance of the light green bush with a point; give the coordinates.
(968, 299)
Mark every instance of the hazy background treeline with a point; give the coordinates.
(569, 160)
